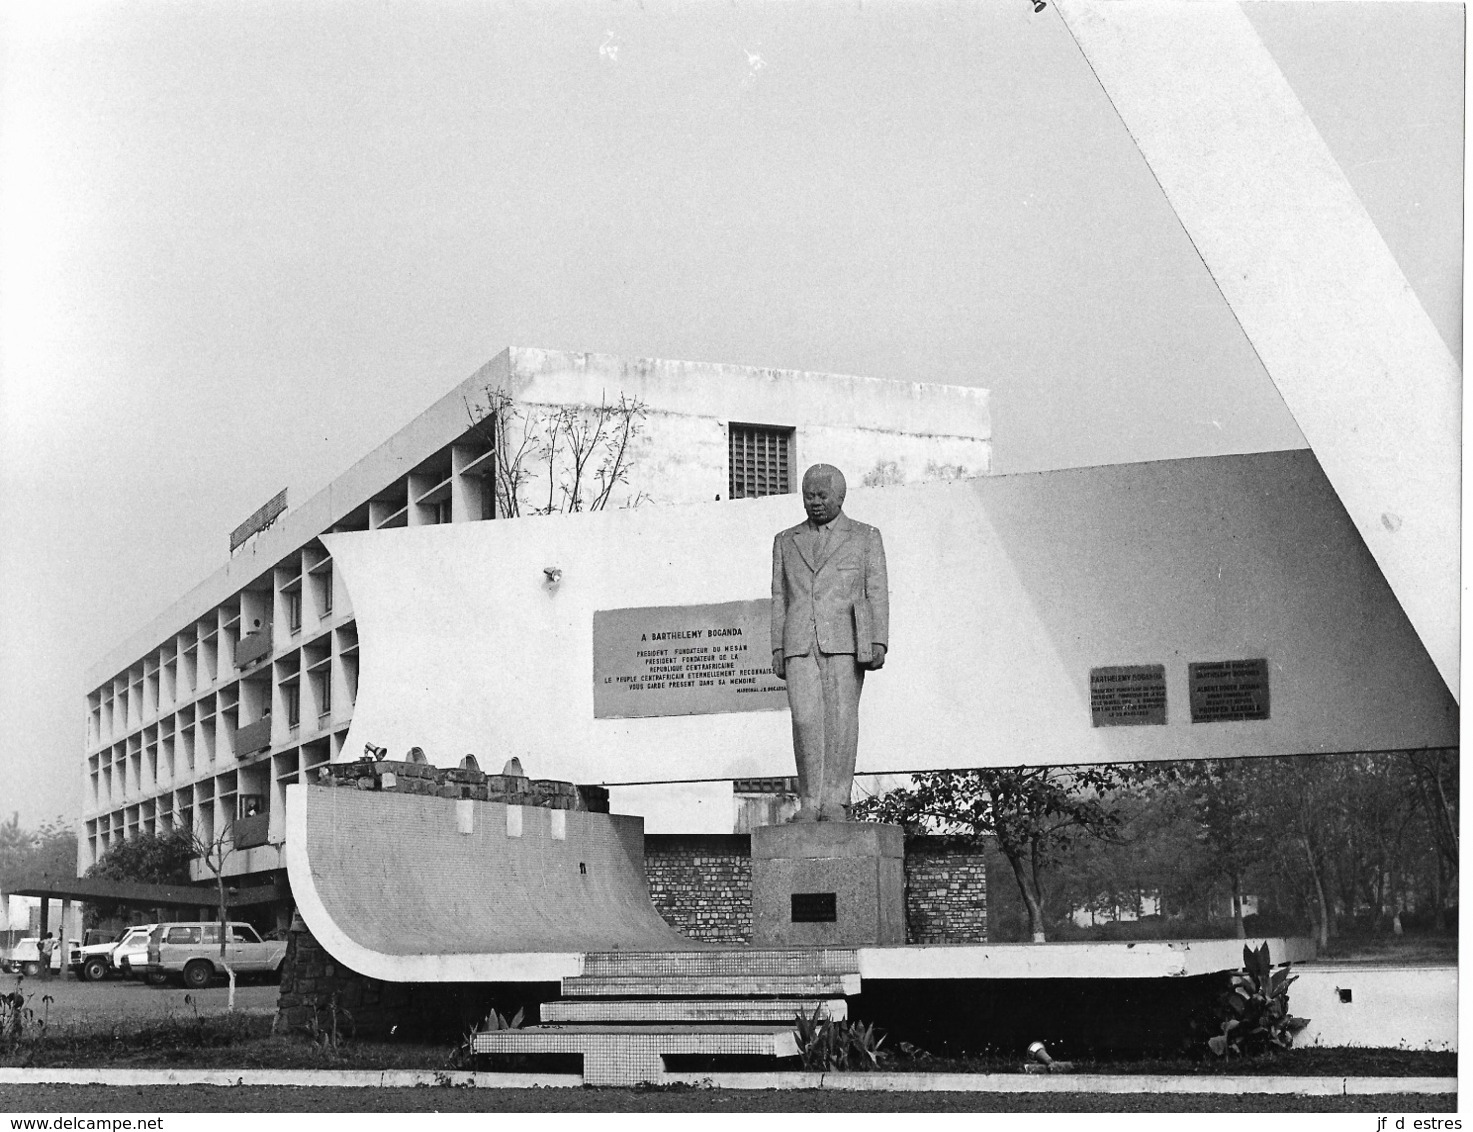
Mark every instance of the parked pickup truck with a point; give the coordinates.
(191, 952)
(24, 958)
(95, 957)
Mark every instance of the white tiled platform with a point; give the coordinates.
(631, 1009)
(691, 1011)
(634, 1055)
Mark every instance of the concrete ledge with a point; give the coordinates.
(1406, 1007)
(1143, 959)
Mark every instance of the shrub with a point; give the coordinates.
(1254, 1012)
(827, 1045)
(19, 1023)
(464, 1055)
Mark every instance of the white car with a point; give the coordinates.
(25, 957)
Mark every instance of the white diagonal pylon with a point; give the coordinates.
(1365, 373)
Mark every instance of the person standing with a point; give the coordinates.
(46, 948)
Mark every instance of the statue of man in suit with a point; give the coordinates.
(830, 623)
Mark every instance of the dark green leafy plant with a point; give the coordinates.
(495, 1021)
(464, 1055)
(827, 1045)
(330, 1027)
(1254, 1012)
(19, 1023)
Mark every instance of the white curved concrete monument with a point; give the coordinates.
(1183, 609)
(1020, 606)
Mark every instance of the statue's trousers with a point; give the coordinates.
(823, 694)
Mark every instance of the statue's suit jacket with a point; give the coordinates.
(809, 593)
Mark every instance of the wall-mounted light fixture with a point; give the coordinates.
(554, 574)
(1043, 1063)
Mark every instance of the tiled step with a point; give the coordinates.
(633, 1055)
(722, 962)
(690, 1011)
(714, 985)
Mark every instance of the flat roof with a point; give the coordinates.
(148, 895)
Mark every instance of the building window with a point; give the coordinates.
(324, 693)
(327, 591)
(294, 610)
(760, 456)
(291, 693)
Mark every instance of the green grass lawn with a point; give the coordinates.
(1408, 950)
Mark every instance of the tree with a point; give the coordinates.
(1228, 823)
(1435, 773)
(145, 858)
(581, 452)
(1035, 814)
(50, 850)
(1301, 798)
(26, 855)
(1382, 797)
(213, 853)
(1155, 851)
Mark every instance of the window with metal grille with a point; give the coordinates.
(760, 456)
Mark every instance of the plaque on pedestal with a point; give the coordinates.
(828, 884)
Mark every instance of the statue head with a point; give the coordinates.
(823, 493)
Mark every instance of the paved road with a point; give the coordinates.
(77, 1002)
(140, 1100)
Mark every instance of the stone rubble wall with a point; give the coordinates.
(463, 782)
(318, 993)
(702, 884)
(945, 892)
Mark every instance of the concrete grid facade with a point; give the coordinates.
(248, 682)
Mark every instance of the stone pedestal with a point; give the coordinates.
(828, 884)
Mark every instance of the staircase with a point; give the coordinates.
(629, 1010)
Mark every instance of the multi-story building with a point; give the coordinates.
(247, 683)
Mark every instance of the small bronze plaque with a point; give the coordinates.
(1127, 694)
(1223, 691)
(815, 908)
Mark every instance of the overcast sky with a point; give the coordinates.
(244, 243)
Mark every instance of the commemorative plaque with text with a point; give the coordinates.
(684, 660)
(1223, 691)
(1127, 694)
